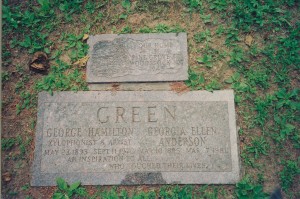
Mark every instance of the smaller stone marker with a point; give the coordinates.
(138, 137)
(137, 58)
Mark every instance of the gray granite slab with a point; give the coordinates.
(137, 58)
(136, 137)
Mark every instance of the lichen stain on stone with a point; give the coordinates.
(143, 178)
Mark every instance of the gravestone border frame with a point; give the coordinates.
(48, 179)
(181, 75)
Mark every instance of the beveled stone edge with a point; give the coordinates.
(131, 86)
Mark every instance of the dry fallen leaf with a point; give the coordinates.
(6, 177)
(248, 40)
(39, 62)
(179, 87)
(85, 37)
(114, 88)
(84, 76)
(38, 66)
(82, 62)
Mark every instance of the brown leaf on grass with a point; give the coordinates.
(6, 177)
(179, 87)
(85, 37)
(84, 76)
(82, 62)
(248, 40)
(39, 62)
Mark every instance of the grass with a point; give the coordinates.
(264, 76)
(162, 28)
(247, 189)
(290, 170)
(7, 143)
(66, 191)
(259, 146)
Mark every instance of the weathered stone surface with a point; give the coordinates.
(136, 137)
(137, 58)
(124, 86)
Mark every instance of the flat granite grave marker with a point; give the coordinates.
(136, 137)
(137, 58)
